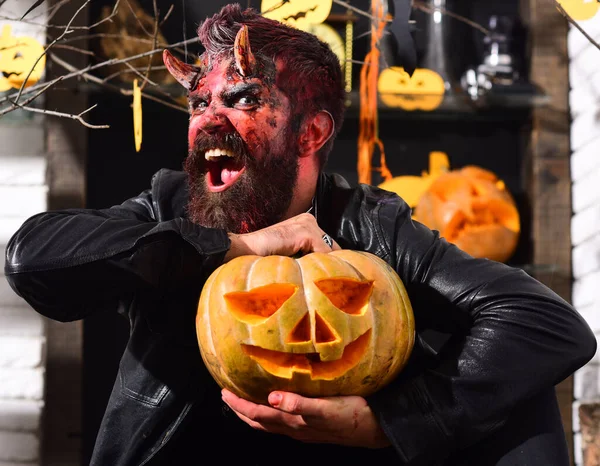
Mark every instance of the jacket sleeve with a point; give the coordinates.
(68, 264)
(511, 337)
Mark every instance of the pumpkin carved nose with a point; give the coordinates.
(302, 331)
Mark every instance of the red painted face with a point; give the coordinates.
(224, 102)
(243, 158)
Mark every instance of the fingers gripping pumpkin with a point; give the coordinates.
(321, 325)
(473, 209)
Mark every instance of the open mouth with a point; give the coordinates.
(284, 365)
(223, 169)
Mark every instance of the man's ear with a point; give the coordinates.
(316, 131)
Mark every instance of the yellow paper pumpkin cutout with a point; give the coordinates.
(297, 12)
(17, 57)
(423, 91)
(580, 9)
(410, 188)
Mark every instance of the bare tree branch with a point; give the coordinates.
(114, 61)
(78, 117)
(576, 24)
(65, 32)
(154, 45)
(427, 8)
(116, 88)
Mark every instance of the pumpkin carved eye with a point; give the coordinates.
(348, 295)
(257, 305)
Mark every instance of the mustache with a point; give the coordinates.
(231, 141)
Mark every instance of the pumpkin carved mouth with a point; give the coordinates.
(281, 364)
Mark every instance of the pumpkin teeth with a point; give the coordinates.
(214, 154)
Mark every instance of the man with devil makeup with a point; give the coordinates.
(266, 103)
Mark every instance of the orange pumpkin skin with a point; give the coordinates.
(321, 325)
(472, 209)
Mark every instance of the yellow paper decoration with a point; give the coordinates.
(296, 12)
(137, 115)
(17, 57)
(423, 91)
(580, 10)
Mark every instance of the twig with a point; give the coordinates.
(112, 76)
(428, 9)
(111, 36)
(52, 10)
(574, 23)
(75, 49)
(355, 9)
(142, 76)
(112, 61)
(66, 31)
(148, 33)
(146, 75)
(78, 117)
(113, 87)
(58, 26)
(27, 101)
(169, 11)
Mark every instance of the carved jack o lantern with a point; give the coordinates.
(321, 325)
(473, 209)
(296, 12)
(17, 57)
(423, 91)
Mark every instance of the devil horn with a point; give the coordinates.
(244, 58)
(184, 74)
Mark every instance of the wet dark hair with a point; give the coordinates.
(311, 76)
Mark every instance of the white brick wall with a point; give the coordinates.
(22, 332)
(23, 192)
(584, 98)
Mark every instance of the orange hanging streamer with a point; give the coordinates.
(368, 136)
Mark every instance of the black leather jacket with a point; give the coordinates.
(511, 336)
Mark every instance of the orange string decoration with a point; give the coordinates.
(368, 136)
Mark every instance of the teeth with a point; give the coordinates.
(214, 154)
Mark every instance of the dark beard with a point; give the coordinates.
(259, 198)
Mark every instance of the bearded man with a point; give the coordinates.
(265, 105)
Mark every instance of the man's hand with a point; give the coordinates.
(292, 236)
(342, 420)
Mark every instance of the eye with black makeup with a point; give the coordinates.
(197, 104)
(246, 101)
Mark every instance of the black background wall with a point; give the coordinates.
(492, 139)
